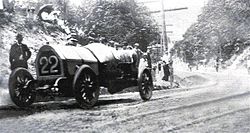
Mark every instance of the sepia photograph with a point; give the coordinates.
(124, 66)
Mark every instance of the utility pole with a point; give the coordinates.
(164, 40)
(218, 52)
(164, 34)
(64, 10)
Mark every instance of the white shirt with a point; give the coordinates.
(1, 4)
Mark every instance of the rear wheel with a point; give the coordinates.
(21, 88)
(86, 88)
(145, 86)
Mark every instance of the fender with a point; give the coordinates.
(148, 70)
(86, 67)
(143, 66)
(80, 69)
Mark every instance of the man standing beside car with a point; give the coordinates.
(139, 54)
(19, 54)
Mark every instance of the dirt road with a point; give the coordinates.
(220, 105)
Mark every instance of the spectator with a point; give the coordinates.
(159, 67)
(217, 64)
(190, 67)
(166, 71)
(19, 54)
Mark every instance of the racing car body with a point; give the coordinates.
(79, 72)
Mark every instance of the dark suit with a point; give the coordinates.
(166, 72)
(16, 51)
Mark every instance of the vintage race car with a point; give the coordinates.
(80, 72)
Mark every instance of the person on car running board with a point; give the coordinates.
(19, 54)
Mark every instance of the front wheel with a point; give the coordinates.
(86, 88)
(145, 85)
(21, 88)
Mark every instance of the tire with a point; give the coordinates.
(21, 88)
(145, 86)
(86, 88)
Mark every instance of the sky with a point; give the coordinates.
(182, 19)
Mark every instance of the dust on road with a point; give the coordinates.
(199, 109)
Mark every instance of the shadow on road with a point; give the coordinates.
(114, 101)
(14, 111)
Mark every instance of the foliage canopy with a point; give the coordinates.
(222, 30)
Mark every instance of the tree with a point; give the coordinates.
(222, 30)
(120, 21)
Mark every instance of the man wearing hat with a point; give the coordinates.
(136, 45)
(166, 70)
(138, 51)
(139, 54)
(19, 54)
(117, 46)
(72, 42)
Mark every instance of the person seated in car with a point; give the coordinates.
(72, 42)
(117, 46)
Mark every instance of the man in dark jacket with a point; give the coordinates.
(19, 54)
(166, 71)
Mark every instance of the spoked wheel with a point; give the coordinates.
(86, 88)
(145, 86)
(21, 88)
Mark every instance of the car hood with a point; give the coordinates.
(93, 52)
(70, 52)
(106, 53)
(102, 52)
